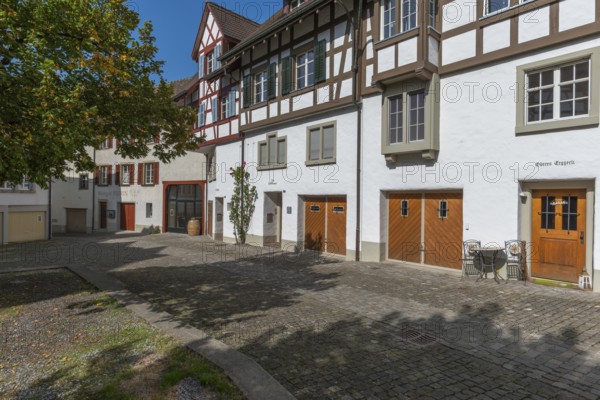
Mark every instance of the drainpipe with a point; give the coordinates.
(50, 210)
(93, 196)
(242, 180)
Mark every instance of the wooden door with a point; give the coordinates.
(558, 234)
(127, 216)
(404, 226)
(76, 220)
(103, 215)
(443, 229)
(209, 219)
(336, 225)
(314, 223)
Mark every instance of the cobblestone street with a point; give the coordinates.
(328, 328)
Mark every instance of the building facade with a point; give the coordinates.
(24, 213)
(444, 121)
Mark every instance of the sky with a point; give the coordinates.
(176, 24)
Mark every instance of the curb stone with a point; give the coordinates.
(249, 376)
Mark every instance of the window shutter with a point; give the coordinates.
(157, 138)
(117, 143)
(215, 109)
(286, 75)
(272, 81)
(118, 175)
(131, 173)
(231, 108)
(109, 175)
(216, 56)
(201, 66)
(96, 175)
(247, 91)
(110, 142)
(140, 174)
(201, 115)
(320, 61)
(156, 164)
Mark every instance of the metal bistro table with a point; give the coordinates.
(489, 259)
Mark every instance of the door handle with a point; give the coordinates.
(581, 237)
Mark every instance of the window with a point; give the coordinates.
(260, 87)
(296, 3)
(406, 13)
(493, 6)
(126, 171)
(210, 62)
(201, 114)
(569, 213)
(557, 93)
(410, 119)
(105, 144)
(395, 119)
(443, 209)
(149, 174)
(389, 18)
(272, 153)
(561, 92)
(305, 69)
(224, 107)
(84, 182)
(151, 139)
(432, 12)
(548, 212)
(148, 210)
(321, 144)
(103, 180)
(404, 208)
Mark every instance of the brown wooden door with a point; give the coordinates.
(404, 226)
(76, 220)
(103, 215)
(127, 216)
(209, 219)
(443, 229)
(314, 223)
(336, 225)
(558, 234)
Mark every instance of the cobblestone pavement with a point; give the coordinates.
(328, 328)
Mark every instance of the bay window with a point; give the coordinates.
(399, 16)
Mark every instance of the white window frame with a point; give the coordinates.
(403, 17)
(224, 106)
(84, 181)
(105, 144)
(487, 3)
(260, 87)
(103, 178)
(306, 78)
(296, 3)
(149, 173)
(389, 29)
(125, 182)
(149, 207)
(210, 62)
(556, 90)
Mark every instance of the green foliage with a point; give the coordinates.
(73, 73)
(242, 202)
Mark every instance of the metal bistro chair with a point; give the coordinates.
(514, 253)
(468, 261)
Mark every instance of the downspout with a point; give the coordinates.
(50, 210)
(242, 183)
(357, 101)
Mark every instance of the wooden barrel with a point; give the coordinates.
(193, 227)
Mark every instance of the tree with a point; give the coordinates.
(242, 202)
(74, 73)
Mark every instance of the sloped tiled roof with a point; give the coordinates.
(232, 24)
(181, 86)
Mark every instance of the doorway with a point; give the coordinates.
(103, 214)
(325, 224)
(127, 216)
(184, 203)
(272, 219)
(219, 218)
(209, 219)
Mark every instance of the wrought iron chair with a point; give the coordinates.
(468, 263)
(514, 252)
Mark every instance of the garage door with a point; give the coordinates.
(325, 224)
(76, 220)
(426, 228)
(26, 226)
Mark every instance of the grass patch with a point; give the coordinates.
(551, 283)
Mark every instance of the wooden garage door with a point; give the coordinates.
(425, 228)
(443, 229)
(76, 220)
(336, 225)
(26, 226)
(404, 219)
(314, 223)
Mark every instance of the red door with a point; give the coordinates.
(127, 216)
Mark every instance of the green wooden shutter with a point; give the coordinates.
(272, 81)
(286, 75)
(247, 91)
(320, 61)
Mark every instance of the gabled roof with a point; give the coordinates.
(231, 24)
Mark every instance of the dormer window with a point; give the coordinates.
(296, 3)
